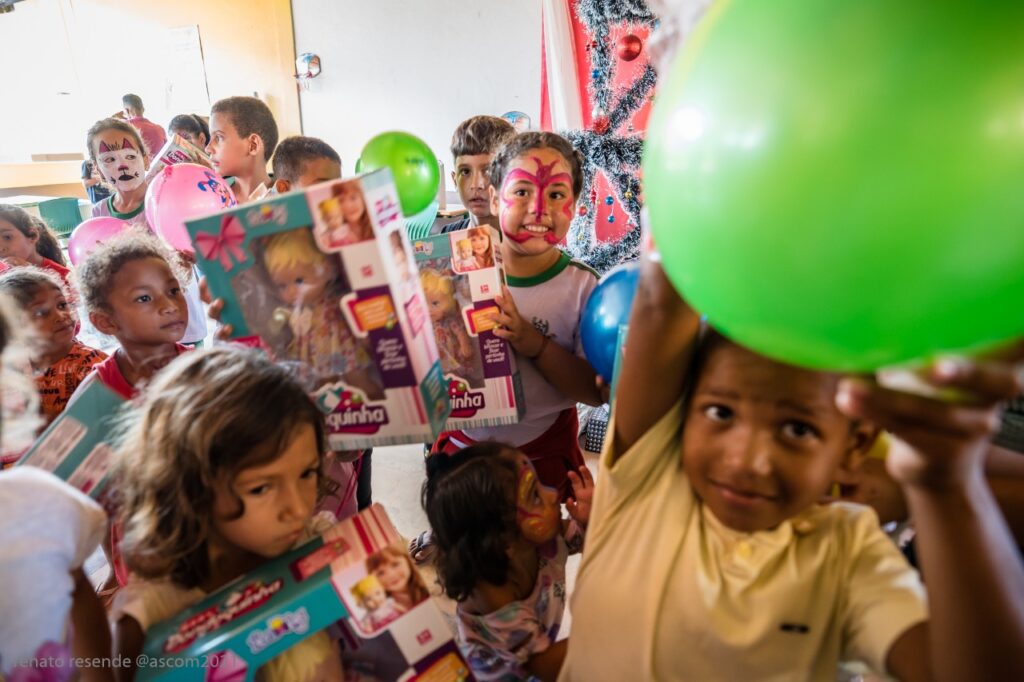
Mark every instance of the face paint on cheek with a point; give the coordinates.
(536, 527)
(123, 165)
(541, 180)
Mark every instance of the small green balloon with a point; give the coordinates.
(412, 164)
(359, 165)
(840, 185)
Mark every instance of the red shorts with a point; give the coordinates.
(554, 453)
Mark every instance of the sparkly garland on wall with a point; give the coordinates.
(604, 149)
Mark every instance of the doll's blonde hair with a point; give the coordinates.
(364, 587)
(301, 662)
(464, 244)
(290, 249)
(435, 282)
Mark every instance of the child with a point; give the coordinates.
(25, 240)
(61, 362)
(537, 177)
(380, 608)
(466, 261)
(347, 220)
(219, 470)
(457, 350)
(192, 128)
(713, 476)
(501, 551)
(50, 611)
(399, 578)
(473, 146)
(243, 135)
(303, 161)
(47, 530)
(133, 293)
(310, 283)
(122, 159)
(480, 238)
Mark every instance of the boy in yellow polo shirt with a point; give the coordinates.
(707, 508)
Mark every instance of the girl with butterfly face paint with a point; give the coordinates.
(121, 158)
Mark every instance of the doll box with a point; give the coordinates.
(325, 586)
(459, 286)
(337, 302)
(76, 447)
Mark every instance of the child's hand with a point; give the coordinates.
(215, 310)
(582, 495)
(523, 336)
(939, 444)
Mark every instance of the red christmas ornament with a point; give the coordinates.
(583, 210)
(601, 125)
(629, 47)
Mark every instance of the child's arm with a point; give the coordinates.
(547, 664)
(662, 335)
(128, 642)
(973, 570)
(570, 374)
(90, 630)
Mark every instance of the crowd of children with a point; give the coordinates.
(709, 548)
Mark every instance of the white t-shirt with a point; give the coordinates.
(553, 301)
(666, 591)
(47, 530)
(151, 601)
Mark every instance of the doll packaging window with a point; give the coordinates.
(77, 446)
(461, 273)
(323, 280)
(348, 603)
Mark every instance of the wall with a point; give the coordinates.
(67, 63)
(416, 65)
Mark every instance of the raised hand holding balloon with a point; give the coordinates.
(839, 186)
(182, 192)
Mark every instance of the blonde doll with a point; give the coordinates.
(453, 343)
(347, 220)
(310, 283)
(465, 261)
(380, 608)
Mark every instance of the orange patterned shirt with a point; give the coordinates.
(60, 380)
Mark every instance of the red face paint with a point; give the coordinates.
(541, 180)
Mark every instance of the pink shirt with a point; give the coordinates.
(153, 135)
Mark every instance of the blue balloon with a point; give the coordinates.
(607, 308)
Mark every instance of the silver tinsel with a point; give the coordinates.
(617, 156)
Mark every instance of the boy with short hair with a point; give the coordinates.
(302, 161)
(243, 135)
(473, 146)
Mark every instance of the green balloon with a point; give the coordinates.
(359, 165)
(412, 164)
(840, 185)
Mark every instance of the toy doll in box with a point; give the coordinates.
(461, 273)
(343, 309)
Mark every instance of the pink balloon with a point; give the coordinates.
(182, 192)
(91, 233)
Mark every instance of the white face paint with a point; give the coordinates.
(121, 163)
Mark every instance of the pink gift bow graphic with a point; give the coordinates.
(225, 246)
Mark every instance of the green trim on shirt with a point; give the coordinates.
(586, 268)
(123, 216)
(561, 264)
